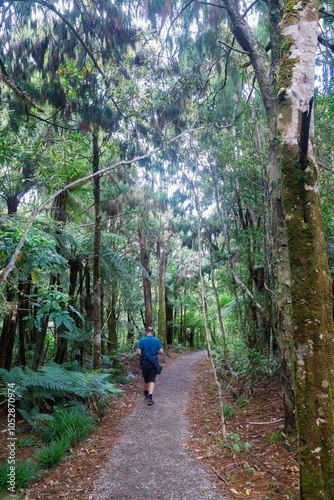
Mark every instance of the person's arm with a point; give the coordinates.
(160, 351)
(139, 352)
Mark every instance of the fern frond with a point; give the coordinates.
(30, 415)
(54, 377)
(17, 377)
(91, 384)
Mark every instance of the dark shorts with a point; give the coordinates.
(148, 371)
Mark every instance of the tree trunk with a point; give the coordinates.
(145, 262)
(312, 307)
(23, 310)
(59, 215)
(59, 207)
(162, 316)
(40, 341)
(111, 312)
(219, 314)
(204, 311)
(8, 329)
(97, 336)
(266, 73)
(170, 322)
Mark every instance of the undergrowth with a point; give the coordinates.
(26, 471)
(61, 407)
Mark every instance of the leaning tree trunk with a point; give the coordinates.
(312, 307)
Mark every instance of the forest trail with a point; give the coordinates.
(150, 459)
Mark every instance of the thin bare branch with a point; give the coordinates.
(233, 48)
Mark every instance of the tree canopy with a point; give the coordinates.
(169, 164)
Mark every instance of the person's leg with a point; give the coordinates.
(146, 367)
(151, 386)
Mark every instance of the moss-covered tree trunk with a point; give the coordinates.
(312, 307)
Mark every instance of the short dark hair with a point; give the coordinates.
(150, 329)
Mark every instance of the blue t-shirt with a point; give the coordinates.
(149, 346)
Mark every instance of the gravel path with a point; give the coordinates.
(150, 460)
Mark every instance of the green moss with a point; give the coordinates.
(290, 6)
(286, 72)
(286, 45)
(290, 18)
(303, 231)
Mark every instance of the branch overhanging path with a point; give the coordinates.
(5, 272)
(150, 460)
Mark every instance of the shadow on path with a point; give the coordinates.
(150, 460)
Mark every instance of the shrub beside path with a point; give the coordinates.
(150, 460)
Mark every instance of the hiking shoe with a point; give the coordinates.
(145, 394)
(150, 402)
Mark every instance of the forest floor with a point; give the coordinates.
(258, 461)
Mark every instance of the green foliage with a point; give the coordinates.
(241, 401)
(39, 252)
(228, 409)
(54, 383)
(121, 379)
(249, 469)
(67, 161)
(276, 437)
(234, 443)
(245, 362)
(51, 455)
(238, 354)
(261, 364)
(26, 471)
(26, 442)
(73, 424)
(54, 304)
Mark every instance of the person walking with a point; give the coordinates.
(148, 349)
